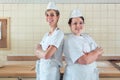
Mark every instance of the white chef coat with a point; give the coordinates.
(74, 46)
(48, 69)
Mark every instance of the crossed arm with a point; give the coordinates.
(90, 57)
(39, 53)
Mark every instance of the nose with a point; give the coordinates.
(49, 17)
(78, 25)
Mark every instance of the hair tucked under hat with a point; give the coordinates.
(75, 13)
(52, 6)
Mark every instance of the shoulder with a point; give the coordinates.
(86, 35)
(59, 33)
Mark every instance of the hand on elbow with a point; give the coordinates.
(37, 55)
(98, 50)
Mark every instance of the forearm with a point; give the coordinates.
(88, 58)
(45, 54)
(50, 52)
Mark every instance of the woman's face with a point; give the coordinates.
(52, 18)
(76, 26)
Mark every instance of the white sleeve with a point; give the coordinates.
(57, 39)
(92, 42)
(95, 44)
(75, 51)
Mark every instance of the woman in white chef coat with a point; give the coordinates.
(49, 50)
(80, 51)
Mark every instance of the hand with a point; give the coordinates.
(39, 54)
(99, 51)
(37, 47)
(38, 51)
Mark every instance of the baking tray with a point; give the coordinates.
(115, 63)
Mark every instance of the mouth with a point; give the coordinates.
(77, 29)
(50, 21)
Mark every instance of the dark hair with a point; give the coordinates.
(56, 11)
(70, 20)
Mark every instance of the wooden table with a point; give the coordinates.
(26, 69)
(18, 69)
(106, 69)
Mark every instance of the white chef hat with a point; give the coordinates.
(75, 13)
(52, 5)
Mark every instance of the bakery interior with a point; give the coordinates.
(23, 24)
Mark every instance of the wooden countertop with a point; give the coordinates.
(106, 69)
(26, 69)
(18, 69)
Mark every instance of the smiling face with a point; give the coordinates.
(52, 17)
(76, 25)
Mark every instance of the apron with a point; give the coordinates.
(75, 72)
(47, 70)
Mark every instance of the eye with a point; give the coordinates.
(47, 15)
(75, 23)
(81, 23)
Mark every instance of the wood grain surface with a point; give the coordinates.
(27, 69)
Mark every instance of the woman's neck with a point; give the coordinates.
(52, 29)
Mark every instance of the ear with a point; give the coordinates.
(58, 16)
(69, 25)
